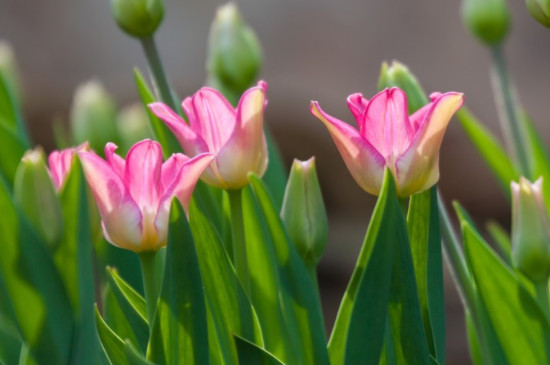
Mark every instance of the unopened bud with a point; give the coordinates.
(34, 193)
(93, 116)
(234, 53)
(487, 20)
(530, 230)
(304, 213)
(398, 75)
(8, 67)
(138, 18)
(540, 10)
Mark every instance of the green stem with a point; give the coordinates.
(541, 295)
(237, 234)
(508, 113)
(150, 283)
(155, 65)
(312, 270)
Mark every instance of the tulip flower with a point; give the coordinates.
(60, 163)
(530, 230)
(388, 137)
(134, 195)
(234, 136)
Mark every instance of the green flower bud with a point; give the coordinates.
(304, 213)
(488, 20)
(530, 230)
(540, 10)
(35, 195)
(398, 75)
(8, 67)
(138, 18)
(132, 126)
(93, 116)
(234, 52)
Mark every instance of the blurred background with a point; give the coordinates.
(321, 50)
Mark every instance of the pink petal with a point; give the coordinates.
(364, 162)
(60, 164)
(418, 167)
(357, 105)
(143, 173)
(191, 142)
(171, 169)
(210, 116)
(246, 149)
(117, 163)
(419, 116)
(386, 123)
(120, 214)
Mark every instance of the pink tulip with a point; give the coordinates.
(134, 195)
(234, 136)
(388, 137)
(60, 163)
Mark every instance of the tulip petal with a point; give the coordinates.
(386, 123)
(418, 167)
(357, 105)
(171, 168)
(60, 163)
(246, 149)
(120, 214)
(191, 142)
(117, 163)
(143, 173)
(210, 116)
(364, 162)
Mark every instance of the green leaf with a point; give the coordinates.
(10, 110)
(133, 356)
(40, 303)
(228, 302)
(160, 131)
(10, 342)
(251, 354)
(113, 346)
(518, 322)
(266, 283)
(73, 259)
(300, 300)
(502, 239)
(425, 239)
(132, 306)
(275, 176)
(12, 149)
(539, 158)
(179, 333)
(490, 149)
(473, 341)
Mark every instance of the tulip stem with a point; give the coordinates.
(541, 295)
(164, 92)
(150, 283)
(507, 109)
(237, 234)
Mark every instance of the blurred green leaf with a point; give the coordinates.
(502, 239)
(41, 306)
(490, 149)
(425, 240)
(10, 110)
(179, 332)
(133, 308)
(160, 131)
(12, 149)
(519, 324)
(300, 301)
(473, 341)
(133, 356)
(228, 303)
(251, 354)
(275, 176)
(10, 342)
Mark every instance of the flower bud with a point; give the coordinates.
(304, 213)
(132, 126)
(488, 20)
(138, 18)
(93, 116)
(35, 195)
(8, 67)
(530, 230)
(234, 53)
(398, 75)
(540, 10)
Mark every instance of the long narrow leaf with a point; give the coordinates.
(251, 354)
